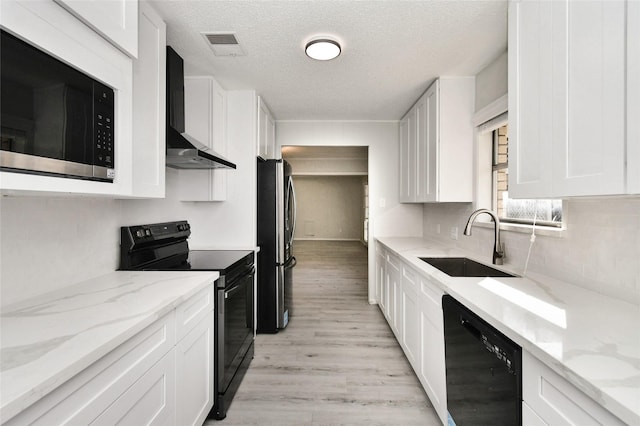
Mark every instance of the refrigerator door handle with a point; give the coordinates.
(291, 263)
(295, 210)
(280, 212)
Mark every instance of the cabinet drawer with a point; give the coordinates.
(556, 401)
(530, 418)
(82, 399)
(150, 401)
(393, 261)
(409, 278)
(430, 298)
(189, 314)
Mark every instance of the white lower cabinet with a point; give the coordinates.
(529, 417)
(393, 301)
(150, 401)
(409, 312)
(381, 260)
(154, 378)
(194, 372)
(83, 398)
(431, 366)
(549, 399)
(413, 308)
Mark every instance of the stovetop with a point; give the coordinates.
(213, 260)
(164, 247)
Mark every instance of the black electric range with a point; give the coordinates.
(164, 247)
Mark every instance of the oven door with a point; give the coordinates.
(234, 327)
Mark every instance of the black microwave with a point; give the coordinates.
(55, 119)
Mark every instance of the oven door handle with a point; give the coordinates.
(232, 291)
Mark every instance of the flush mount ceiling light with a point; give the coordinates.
(322, 49)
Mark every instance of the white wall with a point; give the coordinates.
(50, 242)
(491, 82)
(599, 249)
(387, 217)
(329, 207)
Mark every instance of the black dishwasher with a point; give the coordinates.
(484, 383)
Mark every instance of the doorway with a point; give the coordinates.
(331, 191)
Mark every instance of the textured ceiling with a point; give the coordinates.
(392, 50)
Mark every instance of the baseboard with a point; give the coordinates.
(326, 239)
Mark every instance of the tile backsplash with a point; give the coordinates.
(599, 250)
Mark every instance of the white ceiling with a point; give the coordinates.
(391, 50)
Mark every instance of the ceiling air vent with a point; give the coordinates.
(224, 44)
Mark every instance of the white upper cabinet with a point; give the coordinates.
(567, 95)
(205, 104)
(266, 143)
(149, 106)
(436, 144)
(404, 194)
(115, 20)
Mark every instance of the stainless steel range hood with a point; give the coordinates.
(184, 151)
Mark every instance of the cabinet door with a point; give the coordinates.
(410, 316)
(431, 369)
(115, 20)
(83, 398)
(205, 119)
(429, 140)
(530, 418)
(589, 98)
(556, 401)
(530, 98)
(150, 401)
(270, 131)
(566, 98)
(149, 106)
(194, 374)
(266, 131)
(393, 302)
(380, 276)
(405, 160)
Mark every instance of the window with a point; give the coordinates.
(545, 212)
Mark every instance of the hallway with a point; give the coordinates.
(337, 362)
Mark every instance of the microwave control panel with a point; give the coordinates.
(104, 128)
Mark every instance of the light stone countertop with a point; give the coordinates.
(47, 340)
(591, 340)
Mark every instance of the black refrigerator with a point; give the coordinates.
(276, 226)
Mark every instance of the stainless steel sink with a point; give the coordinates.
(463, 267)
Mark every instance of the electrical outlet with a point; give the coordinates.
(453, 232)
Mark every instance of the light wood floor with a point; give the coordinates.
(337, 362)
